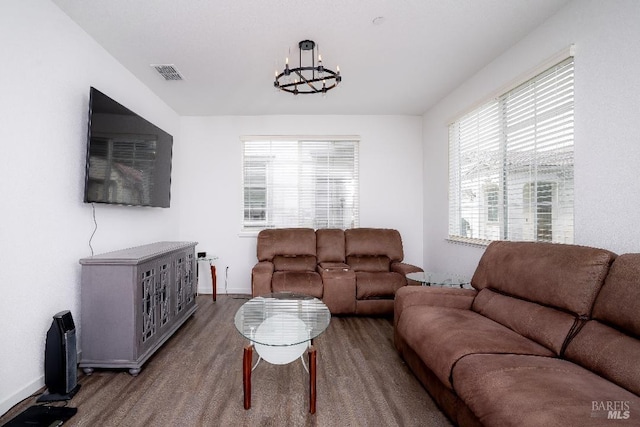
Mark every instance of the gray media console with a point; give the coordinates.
(133, 300)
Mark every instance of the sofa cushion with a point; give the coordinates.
(618, 303)
(285, 241)
(294, 263)
(330, 245)
(378, 285)
(372, 264)
(609, 345)
(373, 242)
(520, 390)
(298, 282)
(564, 276)
(544, 325)
(607, 352)
(441, 336)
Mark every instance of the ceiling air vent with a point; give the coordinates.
(168, 71)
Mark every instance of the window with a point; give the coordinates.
(300, 182)
(511, 164)
(492, 201)
(539, 199)
(255, 191)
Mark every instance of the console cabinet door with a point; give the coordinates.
(184, 283)
(164, 295)
(190, 279)
(147, 317)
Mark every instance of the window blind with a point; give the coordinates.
(511, 164)
(296, 182)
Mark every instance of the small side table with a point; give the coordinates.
(212, 268)
(427, 278)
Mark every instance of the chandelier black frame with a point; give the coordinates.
(309, 79)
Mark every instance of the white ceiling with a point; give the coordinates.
(228, 50)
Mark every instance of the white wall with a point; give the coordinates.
(607, 142)
(210, 195)
(49, 64)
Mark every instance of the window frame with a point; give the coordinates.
(494, 112)
(310, 170)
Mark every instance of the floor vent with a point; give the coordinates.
(168, 71)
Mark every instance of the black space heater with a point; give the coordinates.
(60, 359)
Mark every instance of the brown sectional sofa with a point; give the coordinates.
(549, 336)
(354, 271)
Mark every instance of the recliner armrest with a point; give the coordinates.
(261, 275)
(339, 282)
(404, 269)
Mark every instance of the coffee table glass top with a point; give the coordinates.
(428, 278)
(282, 319)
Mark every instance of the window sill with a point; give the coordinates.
(248, 233)
(476, 243)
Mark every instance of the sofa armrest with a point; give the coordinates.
(339, 287)
(261, 275)
(432, 295)
(404, 269)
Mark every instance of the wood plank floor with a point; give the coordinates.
(195, 379)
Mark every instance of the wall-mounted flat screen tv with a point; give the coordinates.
(128, 158)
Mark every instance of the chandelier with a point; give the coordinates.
(309, 79)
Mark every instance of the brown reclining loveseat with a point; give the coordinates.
(354, 271)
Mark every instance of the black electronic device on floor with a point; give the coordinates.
(60, 359)
(42, 416)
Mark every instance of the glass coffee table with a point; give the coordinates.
(427, 278)
(281, 327)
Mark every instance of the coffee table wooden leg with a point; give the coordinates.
(213, 282)
(312, 379)
(246, 374)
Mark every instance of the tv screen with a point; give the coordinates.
(128, 158)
